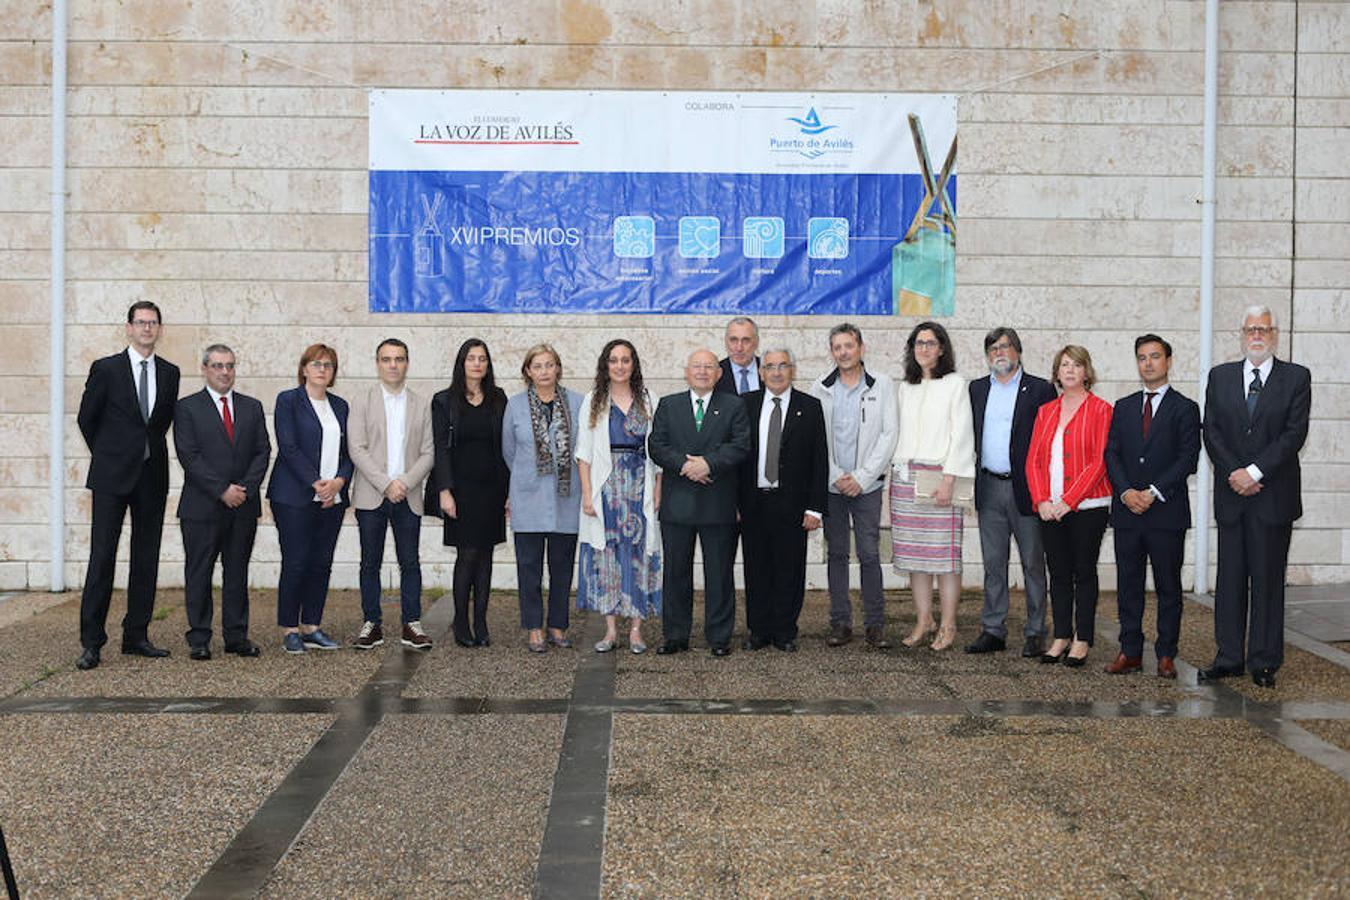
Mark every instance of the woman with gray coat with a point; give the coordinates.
(538, 443)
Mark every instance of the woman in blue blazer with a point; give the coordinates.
(308, 494)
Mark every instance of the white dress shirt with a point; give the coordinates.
(395, 429)
(1157, 399)
(765, 412)
(229, 398)
(137, 359)
(1247, 369)
(332, 442)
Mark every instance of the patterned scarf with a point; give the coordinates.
(552, 457)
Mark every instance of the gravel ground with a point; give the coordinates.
(433, 806)
(1333, 731)
(725, 806)
(135, 806)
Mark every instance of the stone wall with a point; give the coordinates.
(217, 160)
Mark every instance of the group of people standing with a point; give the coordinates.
(635, 485)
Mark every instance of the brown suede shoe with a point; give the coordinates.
(1123, 665)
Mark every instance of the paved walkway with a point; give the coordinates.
(825, 772)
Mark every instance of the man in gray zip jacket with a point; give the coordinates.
(861, 429)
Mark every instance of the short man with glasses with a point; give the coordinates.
(125, 412)
(1256, 420)
(220, 436)
(1004, 407)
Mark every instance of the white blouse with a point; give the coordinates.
(332, 441)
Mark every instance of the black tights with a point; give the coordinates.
(473, 575)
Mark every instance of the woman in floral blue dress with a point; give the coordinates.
(620, 565)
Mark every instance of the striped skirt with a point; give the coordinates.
(924, 538)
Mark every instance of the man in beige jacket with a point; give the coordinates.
(389, 438)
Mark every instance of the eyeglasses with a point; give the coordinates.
(321, 364)
(221, 366)
(702, 367)
(143, 323)
(1001, 347)
(1258, 330)
(927, 345)
(776, 367)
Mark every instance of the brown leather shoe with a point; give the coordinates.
(839, 635)
(1167, 668)
(1123, 665)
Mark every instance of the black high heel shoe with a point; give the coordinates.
(1049, 659)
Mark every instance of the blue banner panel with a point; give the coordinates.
(672, 242)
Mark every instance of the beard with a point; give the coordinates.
(1257, 357)
(1001, 366)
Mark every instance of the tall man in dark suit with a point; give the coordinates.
(1004, 409)
(125, 411)
(783, 485)
(1151, 451)
(1256, 420)
(740, 367)
(221, 439)
(699, 438)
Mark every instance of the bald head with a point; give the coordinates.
(701, 370)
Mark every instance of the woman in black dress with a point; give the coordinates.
(467, 487)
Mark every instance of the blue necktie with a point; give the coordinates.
(1253, 391)
(745, 383)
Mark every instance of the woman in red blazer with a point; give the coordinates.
(1066, 471)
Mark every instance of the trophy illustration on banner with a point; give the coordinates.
(923, 265)
(428, 242)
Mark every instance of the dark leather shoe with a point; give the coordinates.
(721, 650)
(144, 648)
(753, 643)
(786, 646)
(200, 653)
(483, 641)
(1033, 647)
(1073, 662)
(466, 642)
(839, 636)
(1264, 678)
(876, 637)
(1123, 665)
(670, 647)
(89, 659)
(1216, 672)
(1167, 668)
(987, 643)
(244, 648)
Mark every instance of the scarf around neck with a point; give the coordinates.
(552, 456)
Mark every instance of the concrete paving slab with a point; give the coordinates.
(135, 805)
(946, 806)
(1333, 731)
(433, 806)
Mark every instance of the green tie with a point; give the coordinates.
(698, 414)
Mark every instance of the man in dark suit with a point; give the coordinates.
(1256, 420)
(740, 367)
(1004, 409)
(125, 411)
(783, 486)
(699, 438)
(221, 439)
(1151, 451)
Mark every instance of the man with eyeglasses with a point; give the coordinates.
(1004, 407)
(125, 412)
(1256, 420)
(220, 436)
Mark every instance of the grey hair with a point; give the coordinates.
(1257, 311)
(792, 357)
(845, 328)
(215, 348)
(744, 320)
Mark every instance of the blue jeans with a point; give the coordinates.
(308, 536)
(373, 525)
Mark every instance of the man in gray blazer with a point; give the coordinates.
(389, 439)
(699, 438)
(221, 440)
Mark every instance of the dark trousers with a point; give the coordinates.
(1252, 562)
(1135, 549)
(308, 535)
(229, 537)
(373, 525)
(864, 512)
(561, 549)
(1000, 523)
(1072, 546)
(775, 566)
(677, 581)
(472, 581)
(146, 502)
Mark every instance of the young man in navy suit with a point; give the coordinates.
(1256, 420)
(1151, 451)
(125, 411)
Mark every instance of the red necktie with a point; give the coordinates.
(1148, 411)
(229, 420)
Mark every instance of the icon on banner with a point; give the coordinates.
(812, 124)
(762, 237)
(634, 237)
(428, 242)
(700, 237)
(827, 238)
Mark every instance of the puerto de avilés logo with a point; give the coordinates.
(811, 124)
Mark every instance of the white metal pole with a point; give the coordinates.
(57, 375)
(1208, 204)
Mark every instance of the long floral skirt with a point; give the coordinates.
(621, 580)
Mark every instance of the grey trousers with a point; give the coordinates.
(1000, 522)
(865, 513)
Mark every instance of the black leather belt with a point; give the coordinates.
(1001, 476)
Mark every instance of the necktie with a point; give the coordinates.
(698, 414)
(144, 390)
(229, 420)
(1253, 391)
(772, 444)
(1148, 411)
(745, 382)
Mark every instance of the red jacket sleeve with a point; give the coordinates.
(1038, 454)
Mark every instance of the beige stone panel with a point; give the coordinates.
(1324, 353)
(209, 63)
(24, 392)
(1325, 477)
(1323, 240)
(25, 62)
(1326, 510)
(1316, 546)
(1107, 270)
(1330, 400)
(235, 142)
(136, 100)
(27, 472)
(1323, 75)
(1328, 441)
(208, 231)
(980, 307)
(1324, 27)
(176, 190)
(1127, 238)
(1322, 152)
(1322, 310)
(1124, 109)
(1315, 112)
(1319, 574)
(24, 190)
(24, 100)
(25, 434)
(27, 140)
(25, 231)
(211, 265)
(1322, 273)
(27, 264)
(1120, 197)
(1322, 199)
